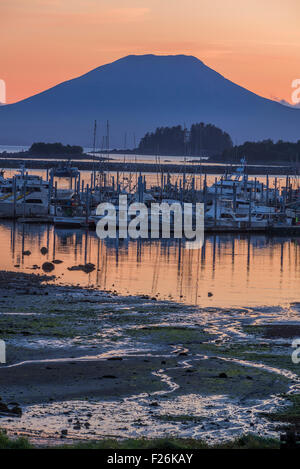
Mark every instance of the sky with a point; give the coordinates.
(254, 43)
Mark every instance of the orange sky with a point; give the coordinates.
(255, 43)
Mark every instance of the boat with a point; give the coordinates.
(238, 184)
(64, 170)
(75, 222)
(255, 217)
(24, 195)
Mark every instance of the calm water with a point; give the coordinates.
(238, 270)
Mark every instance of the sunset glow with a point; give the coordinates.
(44, 42)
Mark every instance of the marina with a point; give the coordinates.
(149, 229)
(234, 202)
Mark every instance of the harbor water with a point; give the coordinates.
(229, 270)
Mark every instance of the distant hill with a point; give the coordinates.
(140, 93)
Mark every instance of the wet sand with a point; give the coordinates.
(32, 383)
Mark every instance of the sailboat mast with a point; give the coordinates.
(94, 150)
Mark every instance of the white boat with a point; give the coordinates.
(261, 217)
(24, 196)
(239, 185)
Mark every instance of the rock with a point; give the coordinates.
(154, 404)
(209, 294)
(87, 268)
(16, 410)
(3, 407)
(48, 267)
(249, 377)
(26, 253)
(44, 251)
(64, 432)
(223, 375)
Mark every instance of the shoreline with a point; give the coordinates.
(262, 170)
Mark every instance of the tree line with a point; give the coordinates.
(181, 141)
(265, 151)
(50, 149)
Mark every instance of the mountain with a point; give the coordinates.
(139, 93)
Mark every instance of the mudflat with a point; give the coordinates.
(135, 363)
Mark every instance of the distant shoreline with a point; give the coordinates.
(13, 163)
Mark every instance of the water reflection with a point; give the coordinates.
(228, 271)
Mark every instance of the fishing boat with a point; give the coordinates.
(64, 170)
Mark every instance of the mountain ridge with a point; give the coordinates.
(138, 93)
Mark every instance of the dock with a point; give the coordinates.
(233, 203)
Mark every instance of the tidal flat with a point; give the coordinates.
(87, 365)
